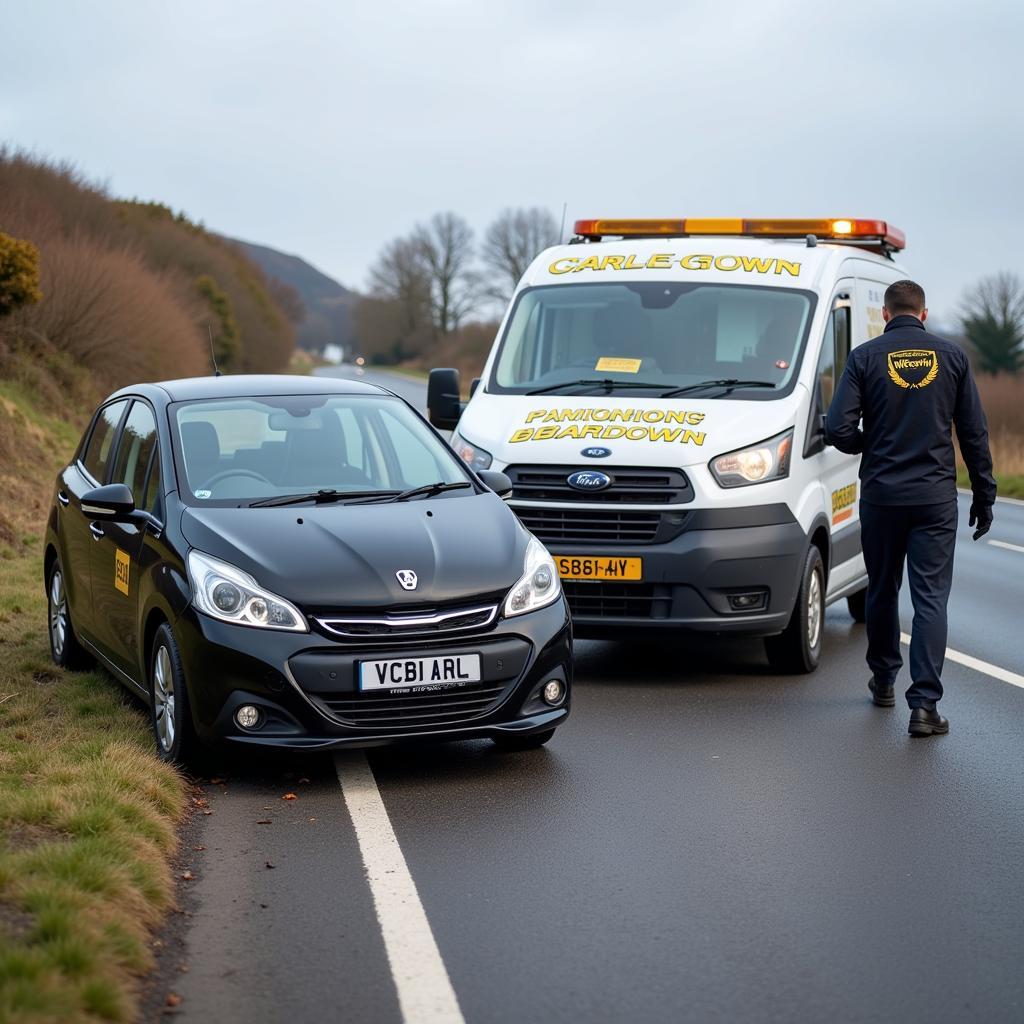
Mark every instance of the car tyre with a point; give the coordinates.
(65, 649)
(532, 742)
(856, 604)
(170, 713)
(797, 649)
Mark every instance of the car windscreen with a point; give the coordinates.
(232, 451)
(674, 334)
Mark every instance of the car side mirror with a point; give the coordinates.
(114, 501)
(497, 482)
(443, 398)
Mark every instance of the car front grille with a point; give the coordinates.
(551, 525)
(632, 485)
(416, 711)
(406, 624)
(618, 600)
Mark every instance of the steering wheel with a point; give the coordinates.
(224, 473)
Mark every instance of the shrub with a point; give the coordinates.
(19, 274)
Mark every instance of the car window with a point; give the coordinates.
(152, 500)
(97, 452)
(138, 439)
(245, 449)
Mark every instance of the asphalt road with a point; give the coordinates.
(702, 841)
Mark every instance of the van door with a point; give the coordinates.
(836, 470)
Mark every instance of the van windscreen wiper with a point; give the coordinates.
(728, 384)
(321, 497)
(413, 492)
(608, 384)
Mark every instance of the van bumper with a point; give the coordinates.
(693, 581)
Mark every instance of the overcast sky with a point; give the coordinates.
(326, 128)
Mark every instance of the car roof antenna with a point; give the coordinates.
(213, 353)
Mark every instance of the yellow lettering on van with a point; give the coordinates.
(694, 418)
(590, 263)
(631, 263)
(545, 433)
(793, 269)
(660, 261)
(757, 263)
(693, 437)
(615, 262)
(570, 431)
(720, 263)
(590, 430)
(702, 262)
(570, 264)
(664, 433)
(523, 434)
(536, 414)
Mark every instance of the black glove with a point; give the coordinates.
(983, 514)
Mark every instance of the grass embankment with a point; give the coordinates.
(87, 813)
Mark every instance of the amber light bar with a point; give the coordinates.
(853, 228)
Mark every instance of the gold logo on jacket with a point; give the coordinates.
(913, 367)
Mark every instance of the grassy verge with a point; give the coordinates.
(1011, 485)
(87, 813)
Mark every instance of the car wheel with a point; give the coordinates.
(531, 742)
(798, 648)
(857, 605)
(65, 649)
(169, 710)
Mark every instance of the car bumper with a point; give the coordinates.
(691, 580)
(304, 684)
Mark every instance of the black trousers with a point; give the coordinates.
(923, 536)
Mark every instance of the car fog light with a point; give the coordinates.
(247, 716)
(553, 692)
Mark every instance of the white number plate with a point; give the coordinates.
(417, 674)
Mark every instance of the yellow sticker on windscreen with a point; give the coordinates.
(122, 566)
(614, 365)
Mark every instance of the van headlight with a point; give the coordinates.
(539, 585)
(767, 460)
(475, 458)
(224, 592)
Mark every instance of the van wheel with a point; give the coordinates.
(798, 648)
(65, 649)
(532, 742)
(856, 604)
(169, 712)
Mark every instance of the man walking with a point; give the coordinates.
(911, 388)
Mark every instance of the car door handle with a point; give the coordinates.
(63, 498)
(96, 530)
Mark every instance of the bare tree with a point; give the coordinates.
(992, 315)
(510, 244)
(445, 246)
(400, 275)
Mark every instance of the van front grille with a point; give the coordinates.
(630, 485)
(551, 525)
(618, 600)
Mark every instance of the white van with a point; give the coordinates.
(655, 395)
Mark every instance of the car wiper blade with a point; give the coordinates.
(607, 383)
(414, 492)
(728, 384)
(321, 497)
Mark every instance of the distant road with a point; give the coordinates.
(412, 390)
(703, 841)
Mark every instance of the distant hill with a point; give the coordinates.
(328, 304)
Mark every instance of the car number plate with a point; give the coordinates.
(591, 567)
(419, 674)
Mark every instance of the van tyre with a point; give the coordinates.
(798, 648)
(169, 712)
(65, 650)
(532, 742)
(857, 605)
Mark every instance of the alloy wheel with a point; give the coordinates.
(58, 614)
(814, 610)
(163, 698)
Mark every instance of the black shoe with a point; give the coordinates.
(927, 722)
(882, 694)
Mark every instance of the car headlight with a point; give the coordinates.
(224, 592)
(767, 460)
(538, 586)
(474, 457)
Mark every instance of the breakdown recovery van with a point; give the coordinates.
(656, 395)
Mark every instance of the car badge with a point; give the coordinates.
(588, 480)
(407, 578)
(596, 453)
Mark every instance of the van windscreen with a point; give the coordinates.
(669, 334)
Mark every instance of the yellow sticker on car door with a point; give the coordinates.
(122, 568)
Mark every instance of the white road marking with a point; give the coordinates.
(999, 497)
(1006, 544)
(425, 991)
(1003, 674)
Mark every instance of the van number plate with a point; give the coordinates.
(589, 567)
(419, 675)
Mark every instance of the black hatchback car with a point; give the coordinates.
(301, 562)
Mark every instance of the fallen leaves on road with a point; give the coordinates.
(173, 999)
(269, 865)
(187, 876)
(289, 796)
(263, 821)
(198, 848)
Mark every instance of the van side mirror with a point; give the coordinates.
(474, 384)
(443, 398)
(497, 482)
(114, 501)
(815, 441)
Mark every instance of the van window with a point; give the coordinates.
(671, 334)
(138, 439)
(835, 350)
(97, 452)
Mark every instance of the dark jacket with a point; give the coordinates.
(911, 388)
